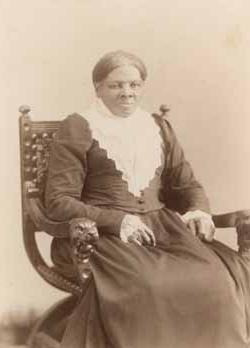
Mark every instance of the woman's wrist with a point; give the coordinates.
(195, 214)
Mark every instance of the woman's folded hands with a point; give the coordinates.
(133, 230)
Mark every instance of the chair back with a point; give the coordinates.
(35, 140)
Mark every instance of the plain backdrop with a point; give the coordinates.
(198, 56)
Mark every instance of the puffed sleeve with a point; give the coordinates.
(66, 176)
(182, 192)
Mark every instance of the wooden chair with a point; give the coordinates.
(35, 139)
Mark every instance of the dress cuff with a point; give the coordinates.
(109, 221)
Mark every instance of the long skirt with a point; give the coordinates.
(182, 293)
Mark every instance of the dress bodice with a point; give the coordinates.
(105, 186)
(83, 181)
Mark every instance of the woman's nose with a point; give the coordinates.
(126, 90)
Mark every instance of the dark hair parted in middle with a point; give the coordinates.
(113, 60)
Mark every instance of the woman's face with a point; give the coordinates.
(121, 90)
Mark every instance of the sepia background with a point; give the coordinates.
(198, 56)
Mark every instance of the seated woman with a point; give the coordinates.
(159, 279)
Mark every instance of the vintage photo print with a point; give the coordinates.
(125, 166)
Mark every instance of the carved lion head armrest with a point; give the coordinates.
(83, 237)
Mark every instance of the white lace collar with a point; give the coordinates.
(133, 143)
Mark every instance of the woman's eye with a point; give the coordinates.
(121, 85)
(114, 86)
(135, 84)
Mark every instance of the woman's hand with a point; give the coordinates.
(200, 224)
(133, 230)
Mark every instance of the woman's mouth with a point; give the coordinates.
(126, 103)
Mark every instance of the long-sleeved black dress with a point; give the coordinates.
(183, 292)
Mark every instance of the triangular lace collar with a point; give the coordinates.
(133, 143)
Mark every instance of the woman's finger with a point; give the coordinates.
(192, 226)
(210, 231)
(151, 235)
(200, 228)
(145, 235)
(134, 239)
(205, 229)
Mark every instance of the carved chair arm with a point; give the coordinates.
(241, 221)
(37, 213)
(44, 270)
(230, 219)
(243, 235)
(83, 236)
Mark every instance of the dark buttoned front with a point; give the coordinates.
(141, 200)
